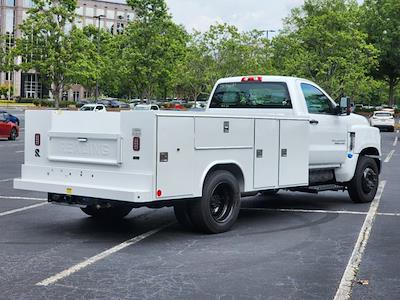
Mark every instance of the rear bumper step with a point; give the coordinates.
(89, 191)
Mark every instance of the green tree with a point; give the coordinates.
(223, 51)
(88, 62)
(46, 45)
(323, 41)
(382, 23)
(194, 72)
(146, 54)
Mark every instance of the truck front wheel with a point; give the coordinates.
(217, 210)
(364, 185)
(106, 212)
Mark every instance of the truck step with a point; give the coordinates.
(319, 188)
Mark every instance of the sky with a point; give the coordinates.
(244, 14)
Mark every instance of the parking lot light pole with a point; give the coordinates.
(268, 31)
(99, 17)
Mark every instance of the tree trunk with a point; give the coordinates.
(392, 86)
(57, 94)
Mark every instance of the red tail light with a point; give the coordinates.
(37, 139)
(136, 143)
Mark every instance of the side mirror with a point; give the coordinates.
(344, 106)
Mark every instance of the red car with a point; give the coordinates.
(8, 129)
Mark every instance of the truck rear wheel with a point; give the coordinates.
(106, 212)
(181, 211)
(217, 210)
(364, 185)
(270, 192)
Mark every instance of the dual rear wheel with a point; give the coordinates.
(217, 210)
(105, 213)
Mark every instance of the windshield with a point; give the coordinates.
(251, 95)
(87, 108)
(386, 115)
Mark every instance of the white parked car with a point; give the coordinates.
(147, 107)
(383, 120)
(93, 107)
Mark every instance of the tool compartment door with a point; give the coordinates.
(294, 153)
(175, 154)
(266, 153)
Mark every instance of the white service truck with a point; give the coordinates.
(258, 134)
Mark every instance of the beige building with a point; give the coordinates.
(115, 14)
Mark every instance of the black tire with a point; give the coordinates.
(217, 210)
(181, 211)
(107, 213)
(13, 135)
(270, 192)
(364, 185)
(391, 129)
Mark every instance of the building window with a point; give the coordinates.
(28, 3)
(110, 26)
(32, 87)
(9, 76)
(9, 40)
(110, 14)
(79, 11)
(76, 96)
(10, 2)
(99, 12)
(9, 21)
(89, 12)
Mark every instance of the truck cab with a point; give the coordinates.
(258, 134)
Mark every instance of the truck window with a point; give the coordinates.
(251, 95)
(317, 101)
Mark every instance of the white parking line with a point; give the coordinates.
(318, 211)
(389, 214)
(96, 258)
(10, 144)
(10, 212)
(389, 156)
(23, 198)
(346, 284)
(21, 151)
(6, 180)
(395, 141)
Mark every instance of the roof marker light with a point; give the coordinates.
(252, 79)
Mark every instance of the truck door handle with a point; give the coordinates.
(314, 122)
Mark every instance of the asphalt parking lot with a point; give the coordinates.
(288, 246)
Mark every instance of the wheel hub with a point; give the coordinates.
(221, 204)
(369, 180)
